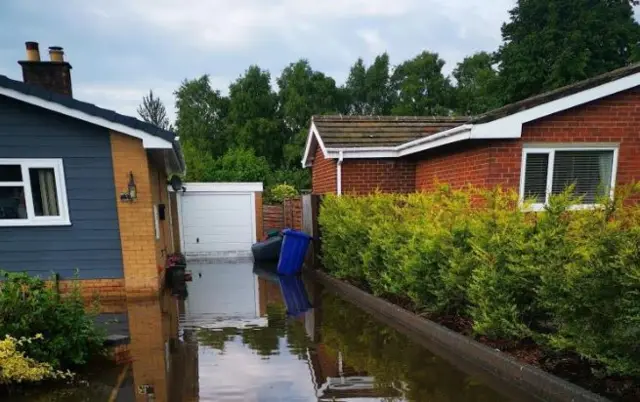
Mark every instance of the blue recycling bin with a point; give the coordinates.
(294, 295)
(293, 251)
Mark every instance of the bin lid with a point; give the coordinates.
(296, 233)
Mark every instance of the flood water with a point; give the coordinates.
(249, 336)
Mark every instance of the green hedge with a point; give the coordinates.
(569, 279)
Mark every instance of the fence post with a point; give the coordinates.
(310, 212)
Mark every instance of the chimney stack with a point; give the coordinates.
(53, 75)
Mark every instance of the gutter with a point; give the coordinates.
(339, 173)
(408, 148)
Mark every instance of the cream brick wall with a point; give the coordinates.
(137, 234)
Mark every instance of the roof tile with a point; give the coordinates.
(339, 131)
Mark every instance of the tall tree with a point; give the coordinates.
(202, 116)
(302, 93)
(254, 117)
(368, 88)
(477, 87)
(551, 43)
(421, 88)
(152, 111)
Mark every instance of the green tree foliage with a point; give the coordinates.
(281, 192)
(421, 88)
(568, 279)
(302, 93)
(368, 89)
(241, 164)
(152, 111)
(253, 116)
(202, 117)
(477, 87)
(552, 43)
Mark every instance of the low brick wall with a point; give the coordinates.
(111, 289)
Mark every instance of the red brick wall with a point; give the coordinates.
(455, 164)
(363, 176)
(323, 174)
(615, 119)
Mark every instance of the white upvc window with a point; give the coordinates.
(33, 193)
(548, 170)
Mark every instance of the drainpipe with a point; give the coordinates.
(339, 173)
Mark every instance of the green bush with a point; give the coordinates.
(30, 307)
(570, 279)
(281, 192)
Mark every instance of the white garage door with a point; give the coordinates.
(218, 219)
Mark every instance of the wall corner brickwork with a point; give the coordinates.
(136, 221)
(323, 174)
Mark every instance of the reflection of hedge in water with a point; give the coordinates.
(392, 359)
(263, 340)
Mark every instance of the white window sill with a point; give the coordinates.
(580, 207)
(33, 223)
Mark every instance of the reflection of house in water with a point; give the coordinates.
(331, 375)
(168, 338)
(162, 367)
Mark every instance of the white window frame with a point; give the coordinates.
(551, 150)
(61, 193)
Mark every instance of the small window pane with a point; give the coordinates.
(43, 191)
(12, 203)
(10, 173)
(590, 171)
(535, 177)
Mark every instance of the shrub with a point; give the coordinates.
(28, 306)
(15, 367)
(569, 279)
(281, 192)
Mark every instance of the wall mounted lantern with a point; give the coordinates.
(132, 192)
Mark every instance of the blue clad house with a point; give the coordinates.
(81, 187)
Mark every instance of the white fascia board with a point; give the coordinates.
(313, 133)
(455, 134)
(224, 187)
(511, 126)
(148, 141)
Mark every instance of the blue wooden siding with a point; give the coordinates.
(92, 243)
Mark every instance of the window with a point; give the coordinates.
(551, 170)
(32, 193)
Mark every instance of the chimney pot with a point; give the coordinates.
(54, 75)
(56, 53)
(33, 51)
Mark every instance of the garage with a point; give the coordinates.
(218, 220)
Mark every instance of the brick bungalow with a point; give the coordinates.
(587, 133)
(82, 187)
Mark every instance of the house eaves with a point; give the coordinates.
(503, 123)
(153, 138)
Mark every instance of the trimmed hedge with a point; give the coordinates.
(570, 279)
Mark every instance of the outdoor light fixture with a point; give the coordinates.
(132, 192)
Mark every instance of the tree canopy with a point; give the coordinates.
(551, 43)
(152, 111)
(258, 130)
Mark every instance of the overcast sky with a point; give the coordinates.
(119, 49)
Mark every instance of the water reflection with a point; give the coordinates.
(251, 336)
